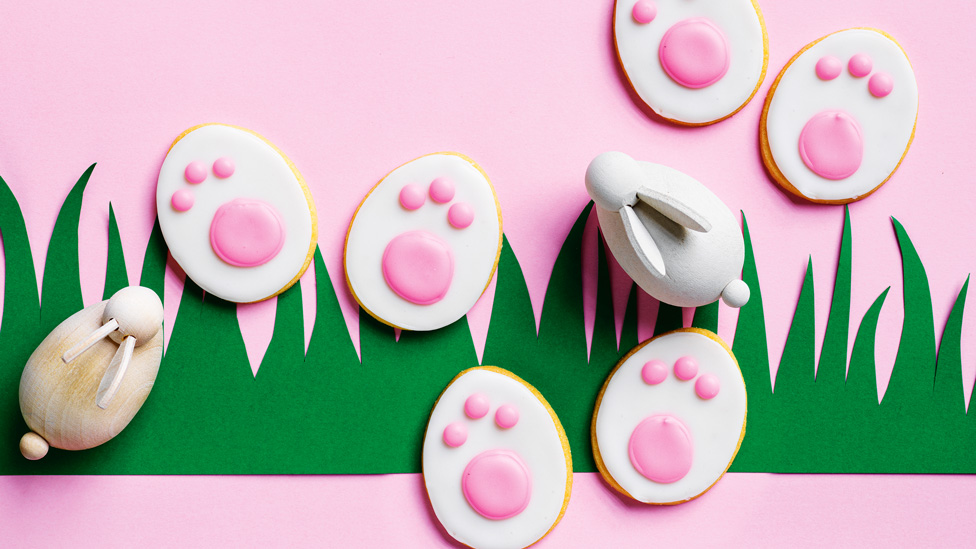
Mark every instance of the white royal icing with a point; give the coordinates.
(381, 217)
(716, 425)
(260, 173)
(536, 438)
(637, 47)
(886, 123)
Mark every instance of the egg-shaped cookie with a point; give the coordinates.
(693, 62)
(840, 117)
(496, 461)
(424, 243)
(235, 213)
(670, 417)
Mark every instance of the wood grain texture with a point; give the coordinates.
(57, 400)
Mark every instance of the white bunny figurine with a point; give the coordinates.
(673, 236)
(80, 389)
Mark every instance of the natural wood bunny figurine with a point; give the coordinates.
(81, 388)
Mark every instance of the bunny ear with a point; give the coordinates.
(675, 210)
(642, 242)
(112, 379)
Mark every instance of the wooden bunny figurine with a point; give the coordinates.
(89, 377)
(674, 237)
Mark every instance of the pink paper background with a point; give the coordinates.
(531, 90)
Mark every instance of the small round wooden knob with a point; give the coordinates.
(33, 446)
(138, 311)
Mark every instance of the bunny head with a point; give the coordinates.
(674, 237)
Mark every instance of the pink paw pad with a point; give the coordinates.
(246, 232)
(860, 65)
(412, 196)
(685, 368)
(831, 144)
(476, 406)
(661, 448)
(195, 172)
(455, 434)
(506, 416)
(442, 190)
(224, 167)
(654, 372)
(707, 386)
(497, 484)
(419, 267)
(644, 11)
(695, 53)
(182, 200)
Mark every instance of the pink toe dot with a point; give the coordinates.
(182, 200)
(661, 449)
(419, 267)
(506, 416)
(707, 386)
(455, 434)
(694, 53)
(831, 145)
(223, 167)
(881, 84)
(829, 67)
(195, 172)
(442, 190)
(654, 372)
(412, 196)
(476, 406)
(460, 215)
(497, 484)
(644, 11)
(860, 65)
(685, 368)
(247, 232)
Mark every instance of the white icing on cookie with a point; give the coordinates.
(469, 411)
(738, 22)
(635, 398)
(217, 178)
(885, 124)
(424, 243)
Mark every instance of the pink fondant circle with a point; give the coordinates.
(460, 215)
(182, 200)
(476, 406)
(685, 368)
(247, 232)
(455, 434)
(661, 449)
(694, 53)
(195, 172)
(412, 196)
(881, 84)
(644, 11)
(224, 167)
(497, 484)
(442, 190)
(506, 416)
(829, 67)
(860, 65)
(419, 267)
(707, 386)
(831, 144)
(654, 372)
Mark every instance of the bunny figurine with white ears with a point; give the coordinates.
(89, 377)
(674, 237)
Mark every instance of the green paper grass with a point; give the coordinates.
(327, 411)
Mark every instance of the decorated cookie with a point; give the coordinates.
(496, 461)
(693, 62)
(670, 417)
(235, 213)
(423, 245)
(840, 117)
(672, 235)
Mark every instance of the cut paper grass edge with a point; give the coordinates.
(328, 412)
